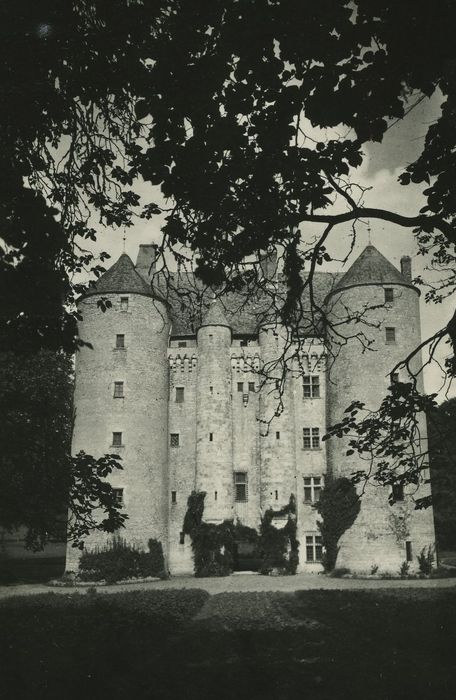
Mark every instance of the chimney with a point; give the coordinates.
(145, 262)
(268, 264)
(406, 267)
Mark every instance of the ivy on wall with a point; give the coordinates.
(339, 506)
(215, 545)
(279, 547)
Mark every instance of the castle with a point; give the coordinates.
(182, 398)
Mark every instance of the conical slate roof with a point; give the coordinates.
(215, 315)
(121, 277)
(371, 267)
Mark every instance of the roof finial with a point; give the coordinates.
(369, 232)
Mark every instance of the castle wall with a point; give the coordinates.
(140, 416)
(378, 536)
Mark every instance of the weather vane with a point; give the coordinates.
(369, 232)
(124, 239)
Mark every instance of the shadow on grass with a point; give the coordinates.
(165, 644)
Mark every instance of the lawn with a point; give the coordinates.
(186, 644)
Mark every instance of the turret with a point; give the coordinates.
(214, 435)
(382, 326)
(121, 397)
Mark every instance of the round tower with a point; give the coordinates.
(121, 398)
(376, 309)
(214, 431)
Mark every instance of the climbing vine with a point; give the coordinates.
(339, 506)
(215, 545)
(279, 547)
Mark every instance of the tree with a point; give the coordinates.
(232, 111)
(442, 447)
(39, 480)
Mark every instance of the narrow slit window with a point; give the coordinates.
(120, 340)
(215, 495)
(118, 390)
(211, 437)
(173, 496)
(276, 495)
(408, 551)
(117, 439)
(182, 538)
(211, 390)
(390, 335)
(277, 434)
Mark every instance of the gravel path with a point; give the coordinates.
(240, 582)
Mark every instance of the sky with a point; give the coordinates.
(382, 165)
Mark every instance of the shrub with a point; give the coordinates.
(213, 549)
(404, 570)
(340, 572)
(374, 569)
(426, 560)
(339, 506)
(120, 560)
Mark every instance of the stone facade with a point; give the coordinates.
(194, 410)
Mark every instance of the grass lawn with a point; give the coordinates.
(182, 644)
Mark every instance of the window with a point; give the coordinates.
(252, 386)
(394, 377)
(182, 538)
(120, 340)
(278, 435)
(311, 438)
(211, 390)
(211, 437)
(240, 386)
(277, 384)
(240, 486)
(215, 495)
(276, 495)
(118, 496)
(312, 488)
(243, 343)
(314, 548)
(408, 551)
(311, 386)
(117, 439)
(390, 335)
(174, 439)
(182, 344)
(389, 296)
(118, 390)
(179, 394)
(173, 496)
(124, 303)
(397, 492)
